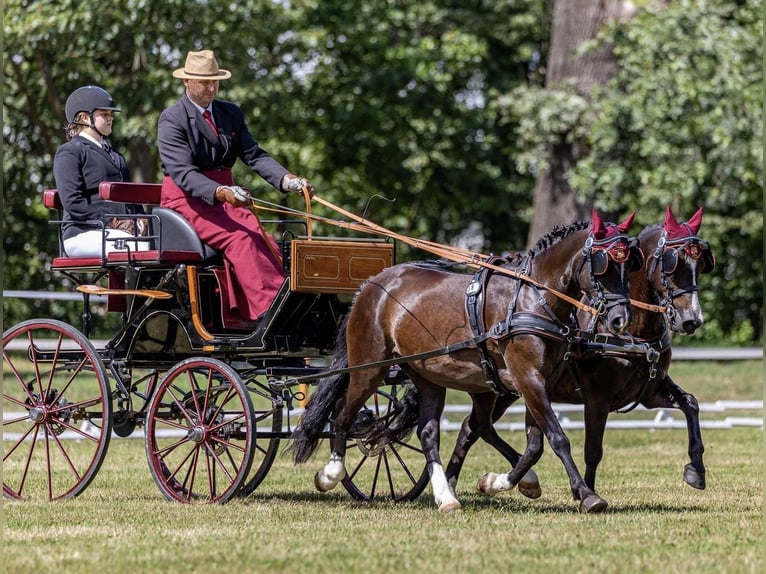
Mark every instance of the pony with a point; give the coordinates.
(409, 310)
(607, 374)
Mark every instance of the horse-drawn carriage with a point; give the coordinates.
(215, 395)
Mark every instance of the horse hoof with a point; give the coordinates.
(320, 484)
(694, 478)
(593, 504)
(450, 507)
(530, 489)
(485, 484)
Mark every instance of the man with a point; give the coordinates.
(199, 140)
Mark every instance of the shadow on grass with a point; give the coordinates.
(470, 502)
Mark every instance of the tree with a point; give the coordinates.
(679, 122)
(570, 77)
(366, 97)
(688, 133)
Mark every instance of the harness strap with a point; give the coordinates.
(446, 350)
(474, 306)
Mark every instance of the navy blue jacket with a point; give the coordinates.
(79, 166)
(188, 146)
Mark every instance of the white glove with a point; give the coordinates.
(296, 184)
(240, 193)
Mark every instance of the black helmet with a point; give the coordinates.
(87, 99)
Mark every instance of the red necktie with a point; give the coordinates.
(209, 120)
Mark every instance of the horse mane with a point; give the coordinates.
(555, 235)
(649, 229)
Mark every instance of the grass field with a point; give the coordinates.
(655, 523)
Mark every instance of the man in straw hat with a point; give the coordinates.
(199, 140)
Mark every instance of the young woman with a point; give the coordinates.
(79, 166)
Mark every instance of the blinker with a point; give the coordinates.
(620, 252)
(694, 249)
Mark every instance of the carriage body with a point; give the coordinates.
(183, 369)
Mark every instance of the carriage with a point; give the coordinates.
(213, 395)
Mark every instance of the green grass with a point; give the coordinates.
(655, 523)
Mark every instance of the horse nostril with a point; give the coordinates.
(691, 325)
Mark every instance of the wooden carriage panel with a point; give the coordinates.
(327, 266)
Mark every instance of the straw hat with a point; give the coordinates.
(201, 65)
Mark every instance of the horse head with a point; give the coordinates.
(678, 257)
(607, 259)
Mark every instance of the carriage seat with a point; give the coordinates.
(174, 240)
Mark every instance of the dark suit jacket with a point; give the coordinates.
(79, 166)
(188, 146)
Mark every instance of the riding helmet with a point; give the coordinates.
(87, 99)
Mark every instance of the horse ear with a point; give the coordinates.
(597, 227)
(695, 222)
(624, 227)
(673, 229)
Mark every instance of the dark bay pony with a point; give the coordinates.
(619, 375)
(409, 309)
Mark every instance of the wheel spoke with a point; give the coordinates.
(60, 380)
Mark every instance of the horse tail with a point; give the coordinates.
(319, 408)
(399, 423)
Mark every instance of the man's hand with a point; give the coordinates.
(296, 184)
(233, 194)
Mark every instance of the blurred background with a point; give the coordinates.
(485, 122)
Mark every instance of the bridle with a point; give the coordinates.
(667, 256)
(597, 254)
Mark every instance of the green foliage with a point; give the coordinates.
(679, 124)
(364, 98)
(436, 105)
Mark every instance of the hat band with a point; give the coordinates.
(202, 75)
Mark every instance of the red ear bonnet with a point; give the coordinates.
(695, 222)
(601, 231)
(624, 227)
(597, 228)
(675, 230)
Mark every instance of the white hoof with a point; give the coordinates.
(450, 507)
(491, 483)
(322, 484)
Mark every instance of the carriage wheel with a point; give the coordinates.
(396, 472)
(199, 438)
(267, 426)
(57, 411)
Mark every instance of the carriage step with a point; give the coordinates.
(151, 293)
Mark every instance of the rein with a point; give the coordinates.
(456, 254)
(446, 350)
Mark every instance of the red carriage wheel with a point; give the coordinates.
(57, 411)
(199, 432)
(396, 471)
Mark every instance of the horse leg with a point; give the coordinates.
(595, 425)
(538, 405)
(362, 385)
(479, 425)
(522, 474)
(670, 395)
(431, 407)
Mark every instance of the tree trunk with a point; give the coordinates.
(574, 22)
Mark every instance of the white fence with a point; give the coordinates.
(570, 417)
